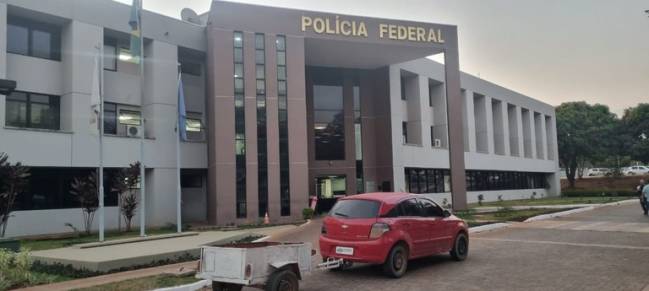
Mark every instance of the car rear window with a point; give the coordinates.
(355, 208)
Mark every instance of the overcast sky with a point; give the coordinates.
(552, 50)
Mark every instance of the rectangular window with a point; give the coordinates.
(239, 126)
(329, 127)
(262, 144)
(284, 181)
(191, 68)
(130, 117)
(432, 136)
(32, 110)
(191, 180)
(30, 38)
(110, 118)
(404, 131)
(193, 125)
(110, 56)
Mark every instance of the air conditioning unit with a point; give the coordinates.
(134, 131)
(437, 143)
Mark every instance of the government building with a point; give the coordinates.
(282, 105)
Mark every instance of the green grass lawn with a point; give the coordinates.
(552, 201)
(145, 283)
(502, 215)
(54, 243)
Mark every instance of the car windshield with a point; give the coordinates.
(355, 208)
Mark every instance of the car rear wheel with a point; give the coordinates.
(284, 280)
(397, 262)
(218, 286)
(460, 247)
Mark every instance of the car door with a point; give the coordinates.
(436, 228)
(410, 221)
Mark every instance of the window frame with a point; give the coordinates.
(53, 101)
(53, 30)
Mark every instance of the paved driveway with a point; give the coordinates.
(604, 249)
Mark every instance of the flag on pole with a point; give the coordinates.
(136, 30)
(182, 113)
(95, 100)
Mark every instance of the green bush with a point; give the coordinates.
(598, 192)
(15, 269)
(307, 213)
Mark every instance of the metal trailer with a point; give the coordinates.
(272, 266)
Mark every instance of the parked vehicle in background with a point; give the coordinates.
(636, 170)
(390, 229)
(596, 172)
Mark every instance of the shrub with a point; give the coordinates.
(15, 269)
(307, 213)
(598, 192)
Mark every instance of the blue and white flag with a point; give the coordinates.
(182, 113)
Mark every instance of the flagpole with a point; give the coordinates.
(179, 187)
(102, 209)
(142, 164)
(178, 136)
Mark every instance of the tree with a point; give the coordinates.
(584, 131)
(635, 122)
(13, 182)
(85, 190)
(125, 181)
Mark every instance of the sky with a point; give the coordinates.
(552, 50)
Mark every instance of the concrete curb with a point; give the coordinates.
(189, 287)
(488, 227)
(578, 210)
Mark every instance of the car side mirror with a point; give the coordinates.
(446, 213)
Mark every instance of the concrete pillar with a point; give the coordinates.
(470, 120)
(505, 121)
(543, 134)
(272, 129)
(491, 149)
(250, 100)
(454, 109)
(159, 109)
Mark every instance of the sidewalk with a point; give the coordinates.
(113, 257)
(482, 209)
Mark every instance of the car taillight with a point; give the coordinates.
(323, 230)
(378, 229)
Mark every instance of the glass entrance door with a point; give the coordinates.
(329, 189)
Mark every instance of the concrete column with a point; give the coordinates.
(221, 149)
(159, 109)
(272, 129)
(454, 109)
(532, 130)
(469, 121)
(426, 119)
(491, 148)
(298, 155)
(505, 121)
(544, 144)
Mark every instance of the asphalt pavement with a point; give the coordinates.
(603, 249)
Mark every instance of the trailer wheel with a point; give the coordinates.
(284, 280)
(218, 286)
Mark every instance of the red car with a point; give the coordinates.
(390, 229)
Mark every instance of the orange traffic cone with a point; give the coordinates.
(266, 219)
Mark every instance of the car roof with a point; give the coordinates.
(385, 197)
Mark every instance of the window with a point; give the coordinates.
(404, 131)
(410, 207)
(110, 118)
(420, 180)
(284, 179)
(432, 136)
(191, 180)
(110, 56)
(49, 188)
(403, 88)
(191, 68)
(239, 127)
(193, 125)
(329, 122)
(355, 209)
(499, 180)
(262, 143)
(29, 38)
(430, 209)
(130, 117)
(32, 110)
(358, 138)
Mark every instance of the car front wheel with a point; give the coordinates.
(397, 262)
(460, 247)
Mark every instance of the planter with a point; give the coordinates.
(10, 244)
